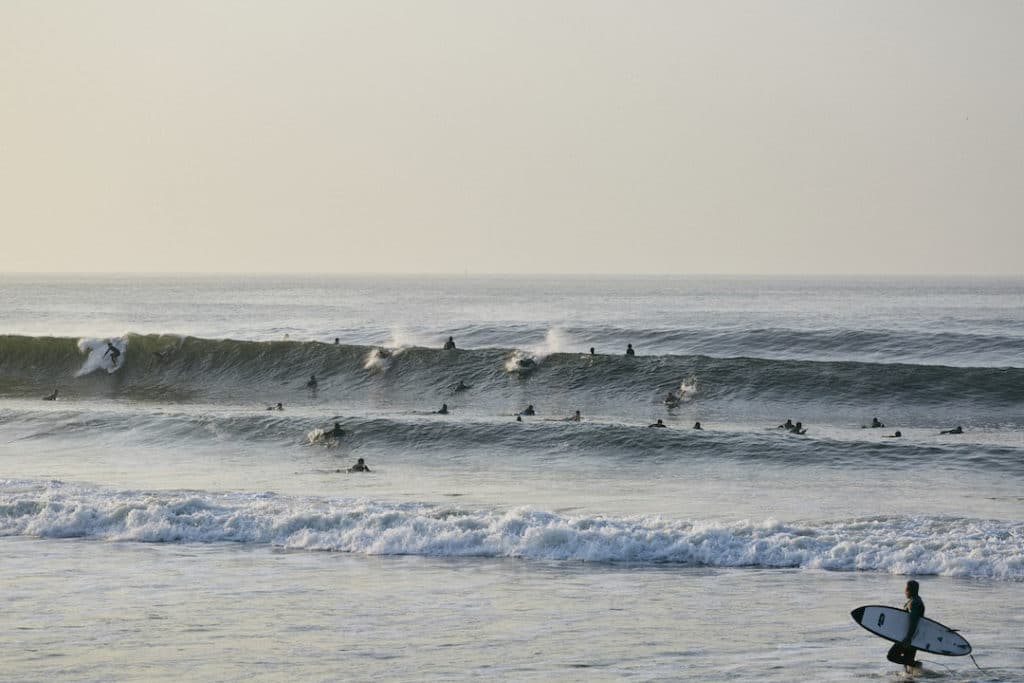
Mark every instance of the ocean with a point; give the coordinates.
(160, 522)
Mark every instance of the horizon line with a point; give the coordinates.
(466, 274)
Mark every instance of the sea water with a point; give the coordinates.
(157, 522)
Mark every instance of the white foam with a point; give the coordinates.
(688, 389)
(96, 360)
(894, 545)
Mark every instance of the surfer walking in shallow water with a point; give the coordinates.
(902, 652)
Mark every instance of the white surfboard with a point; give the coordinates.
(931, 636)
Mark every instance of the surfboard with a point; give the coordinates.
(931, 636)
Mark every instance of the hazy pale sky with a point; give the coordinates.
(512, 137)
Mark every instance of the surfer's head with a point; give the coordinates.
(912, 588)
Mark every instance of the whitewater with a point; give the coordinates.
(164, 505)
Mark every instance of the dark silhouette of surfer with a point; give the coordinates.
(955, 430)
(895, 435)
(51, 397)
(279, 406)
(335, 432)
(658, 425)
(443, 410)
(629, 350)
(113, 352)
(528, 410)
(312, 384)
(798, 428)
(592, 351)
(575, 417)
(696, 425)
(526, 363)
(787, 426)
(902, 652)
(360, 466)
(461, 386)
(875, 424)
(450, 344)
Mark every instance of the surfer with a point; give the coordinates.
(592, 351)
(895, 435)
(461, 386)
(658, 425)
(335, 433)
(449, 345)
(360, 466)
(798, 428)
(528, 410)
(875, 424)
(629, 350)
(337, 341)
(312, 383)
(443, 410)
(163, 353)
(279, 406)
(696, 425)
(955, 430)
(575, 417)
(788, 426)
(902, 652)
(383, 353)
(51, 397)
(113, 352)
(671, 400)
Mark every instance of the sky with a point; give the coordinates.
(485, 136)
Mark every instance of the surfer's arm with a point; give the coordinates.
(915, 619)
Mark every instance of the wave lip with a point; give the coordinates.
(895, 545)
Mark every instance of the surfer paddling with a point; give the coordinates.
(335, 432)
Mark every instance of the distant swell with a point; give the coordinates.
(158, 367)
(945, 546)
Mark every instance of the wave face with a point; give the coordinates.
(950, 546)
(162, 367)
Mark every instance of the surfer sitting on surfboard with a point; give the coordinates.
(902, 652)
